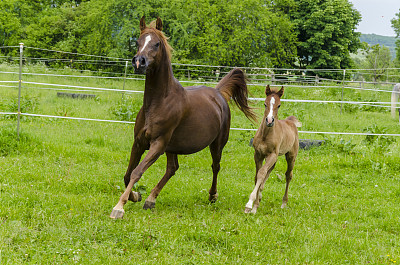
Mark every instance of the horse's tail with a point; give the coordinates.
(294, 120)
(395, 99)
(233, 86)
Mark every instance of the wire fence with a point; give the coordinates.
(194, 74)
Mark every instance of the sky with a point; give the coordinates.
(376, 15)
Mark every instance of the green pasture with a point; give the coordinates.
(61, 179)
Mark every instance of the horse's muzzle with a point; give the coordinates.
(139, 64)
(270, 123)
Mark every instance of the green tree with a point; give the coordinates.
(325, 31)
(396, 26)
(231, 33)
(378, 59)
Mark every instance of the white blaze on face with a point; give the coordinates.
(146, 41)
(271, 110)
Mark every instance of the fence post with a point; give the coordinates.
(123, 87)
(21, 50)
(344, 75)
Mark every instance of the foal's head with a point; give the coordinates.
(152, 46)
(272, 104)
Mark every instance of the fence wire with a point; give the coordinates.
(269, 75)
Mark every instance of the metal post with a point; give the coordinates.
(21, 50)
(344, 75)
(123, 87)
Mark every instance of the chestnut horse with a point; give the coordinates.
(273, 138)
(174, 119)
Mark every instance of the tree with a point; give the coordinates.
(325, 31)
(205, 31)
(230, 33)
(378, 59)
(396, 26)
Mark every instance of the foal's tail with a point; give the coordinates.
(295, 121)
(233, 85)
(395, 99)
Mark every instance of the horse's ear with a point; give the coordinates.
(142, 23)
(267, 90)
(280, 92)
(159, 24)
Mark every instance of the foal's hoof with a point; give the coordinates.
(117, 213)
(213, 197)
(247, 210)
(149, 205)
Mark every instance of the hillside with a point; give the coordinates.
(373, 39)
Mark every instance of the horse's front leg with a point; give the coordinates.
(136, 154)
(157, 148)
(262, 176)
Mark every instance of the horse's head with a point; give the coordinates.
(152, 44)
(272, 104)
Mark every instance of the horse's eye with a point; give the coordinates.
(157, 44)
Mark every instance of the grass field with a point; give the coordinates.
(60, 181)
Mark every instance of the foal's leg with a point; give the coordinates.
(136, 155)
(262, 176)
(290, 159)
(172, 167)
(157, 148)
(260, 190)
(258, 159)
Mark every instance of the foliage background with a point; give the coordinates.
(283, 33)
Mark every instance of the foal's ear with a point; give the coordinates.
(267, 90)
(142, 23)
(159, 24)
(280, 92)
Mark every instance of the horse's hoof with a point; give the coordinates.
(247, 210)
(117, 214)
(149, 205)
(135, 197)
(213, 197)
(283, 205)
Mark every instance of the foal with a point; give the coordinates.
(273, 138)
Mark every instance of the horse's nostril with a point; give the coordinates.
(142, 61)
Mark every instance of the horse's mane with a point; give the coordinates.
(164, 39)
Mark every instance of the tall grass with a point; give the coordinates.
(59, 182)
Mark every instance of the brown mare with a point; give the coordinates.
(273, 138)
(176, 120)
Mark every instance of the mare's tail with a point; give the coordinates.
(395, 99)
(294, 120)
(233, 86)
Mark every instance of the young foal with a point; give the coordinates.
(176, 120)
(273, 138)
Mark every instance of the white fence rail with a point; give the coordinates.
(315, 81)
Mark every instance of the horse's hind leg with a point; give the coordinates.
(172, 167)
(290, 159)
(216, 153)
